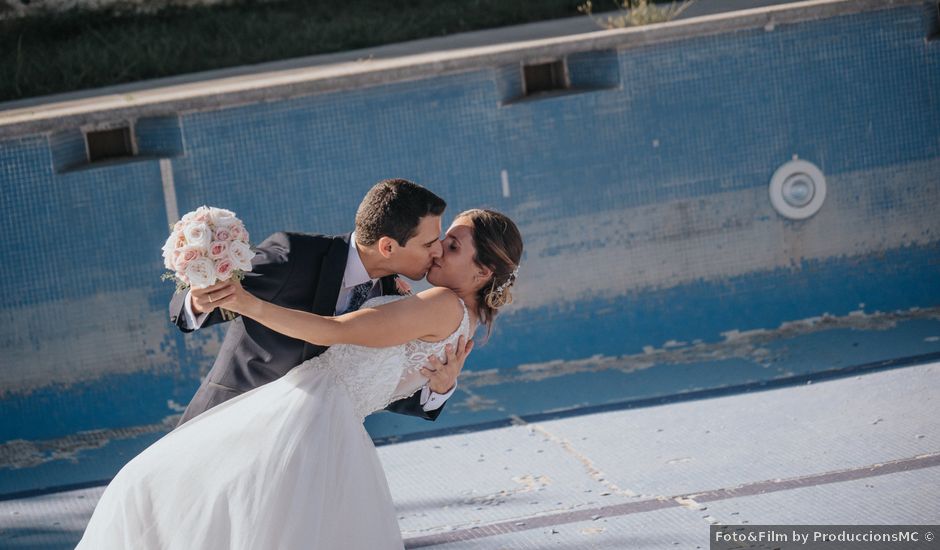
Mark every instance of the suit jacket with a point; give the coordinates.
(293, 270)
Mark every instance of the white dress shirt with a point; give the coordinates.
(354, 275)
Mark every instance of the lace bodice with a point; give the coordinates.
(375, 377)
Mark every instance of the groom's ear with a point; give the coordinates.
(386, 245)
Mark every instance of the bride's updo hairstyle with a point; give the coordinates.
(498, 245)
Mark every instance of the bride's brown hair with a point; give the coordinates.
(498, 246)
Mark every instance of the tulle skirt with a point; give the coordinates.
(284, 466)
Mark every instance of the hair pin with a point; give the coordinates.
(508, 282)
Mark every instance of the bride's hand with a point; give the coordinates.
(236, 299)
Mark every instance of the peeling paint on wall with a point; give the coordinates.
(750, 345)
(82, 339)
(630, 250)
(57, 345)
(19, 453)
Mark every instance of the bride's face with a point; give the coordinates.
(455, 269)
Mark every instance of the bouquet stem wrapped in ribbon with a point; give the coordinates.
(207, 246)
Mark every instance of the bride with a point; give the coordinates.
(289, 465)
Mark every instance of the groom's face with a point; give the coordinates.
(414, 259)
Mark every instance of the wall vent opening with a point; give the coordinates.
(109, 144)
(544, 77)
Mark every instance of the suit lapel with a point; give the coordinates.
(331, 276)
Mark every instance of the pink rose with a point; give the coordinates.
(238, 232)
(186, 256)
(223, 270)
(223, 234)
(234, 232)
(218, 249)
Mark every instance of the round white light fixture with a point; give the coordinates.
(797, 189)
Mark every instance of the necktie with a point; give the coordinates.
(358, 296)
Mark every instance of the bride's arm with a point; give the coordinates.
(432, 314)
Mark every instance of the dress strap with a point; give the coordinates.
(466, 315)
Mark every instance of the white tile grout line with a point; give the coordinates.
(692, 500)
(504, 175)
(169, 191)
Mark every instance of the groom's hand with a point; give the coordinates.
(205, 299)
(443, 376)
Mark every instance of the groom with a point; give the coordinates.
(398, 226)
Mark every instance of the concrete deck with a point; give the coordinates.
(856, 450)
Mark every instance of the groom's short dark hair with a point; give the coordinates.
(394, 208)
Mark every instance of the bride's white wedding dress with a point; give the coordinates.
(287, 465)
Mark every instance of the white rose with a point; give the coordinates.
(241, 255)
(202, 215)
(198, 234)
(171, 244)
(200, 272)
(221, 217)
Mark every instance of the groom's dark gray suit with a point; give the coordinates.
(294, 270)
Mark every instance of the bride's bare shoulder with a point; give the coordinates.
(438, 293)
(441, 297)
(444, 306)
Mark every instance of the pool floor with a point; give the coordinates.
(861, 449)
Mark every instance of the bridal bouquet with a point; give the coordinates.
(205, 247)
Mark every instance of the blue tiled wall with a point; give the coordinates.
(617, 189)
(159, 137)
